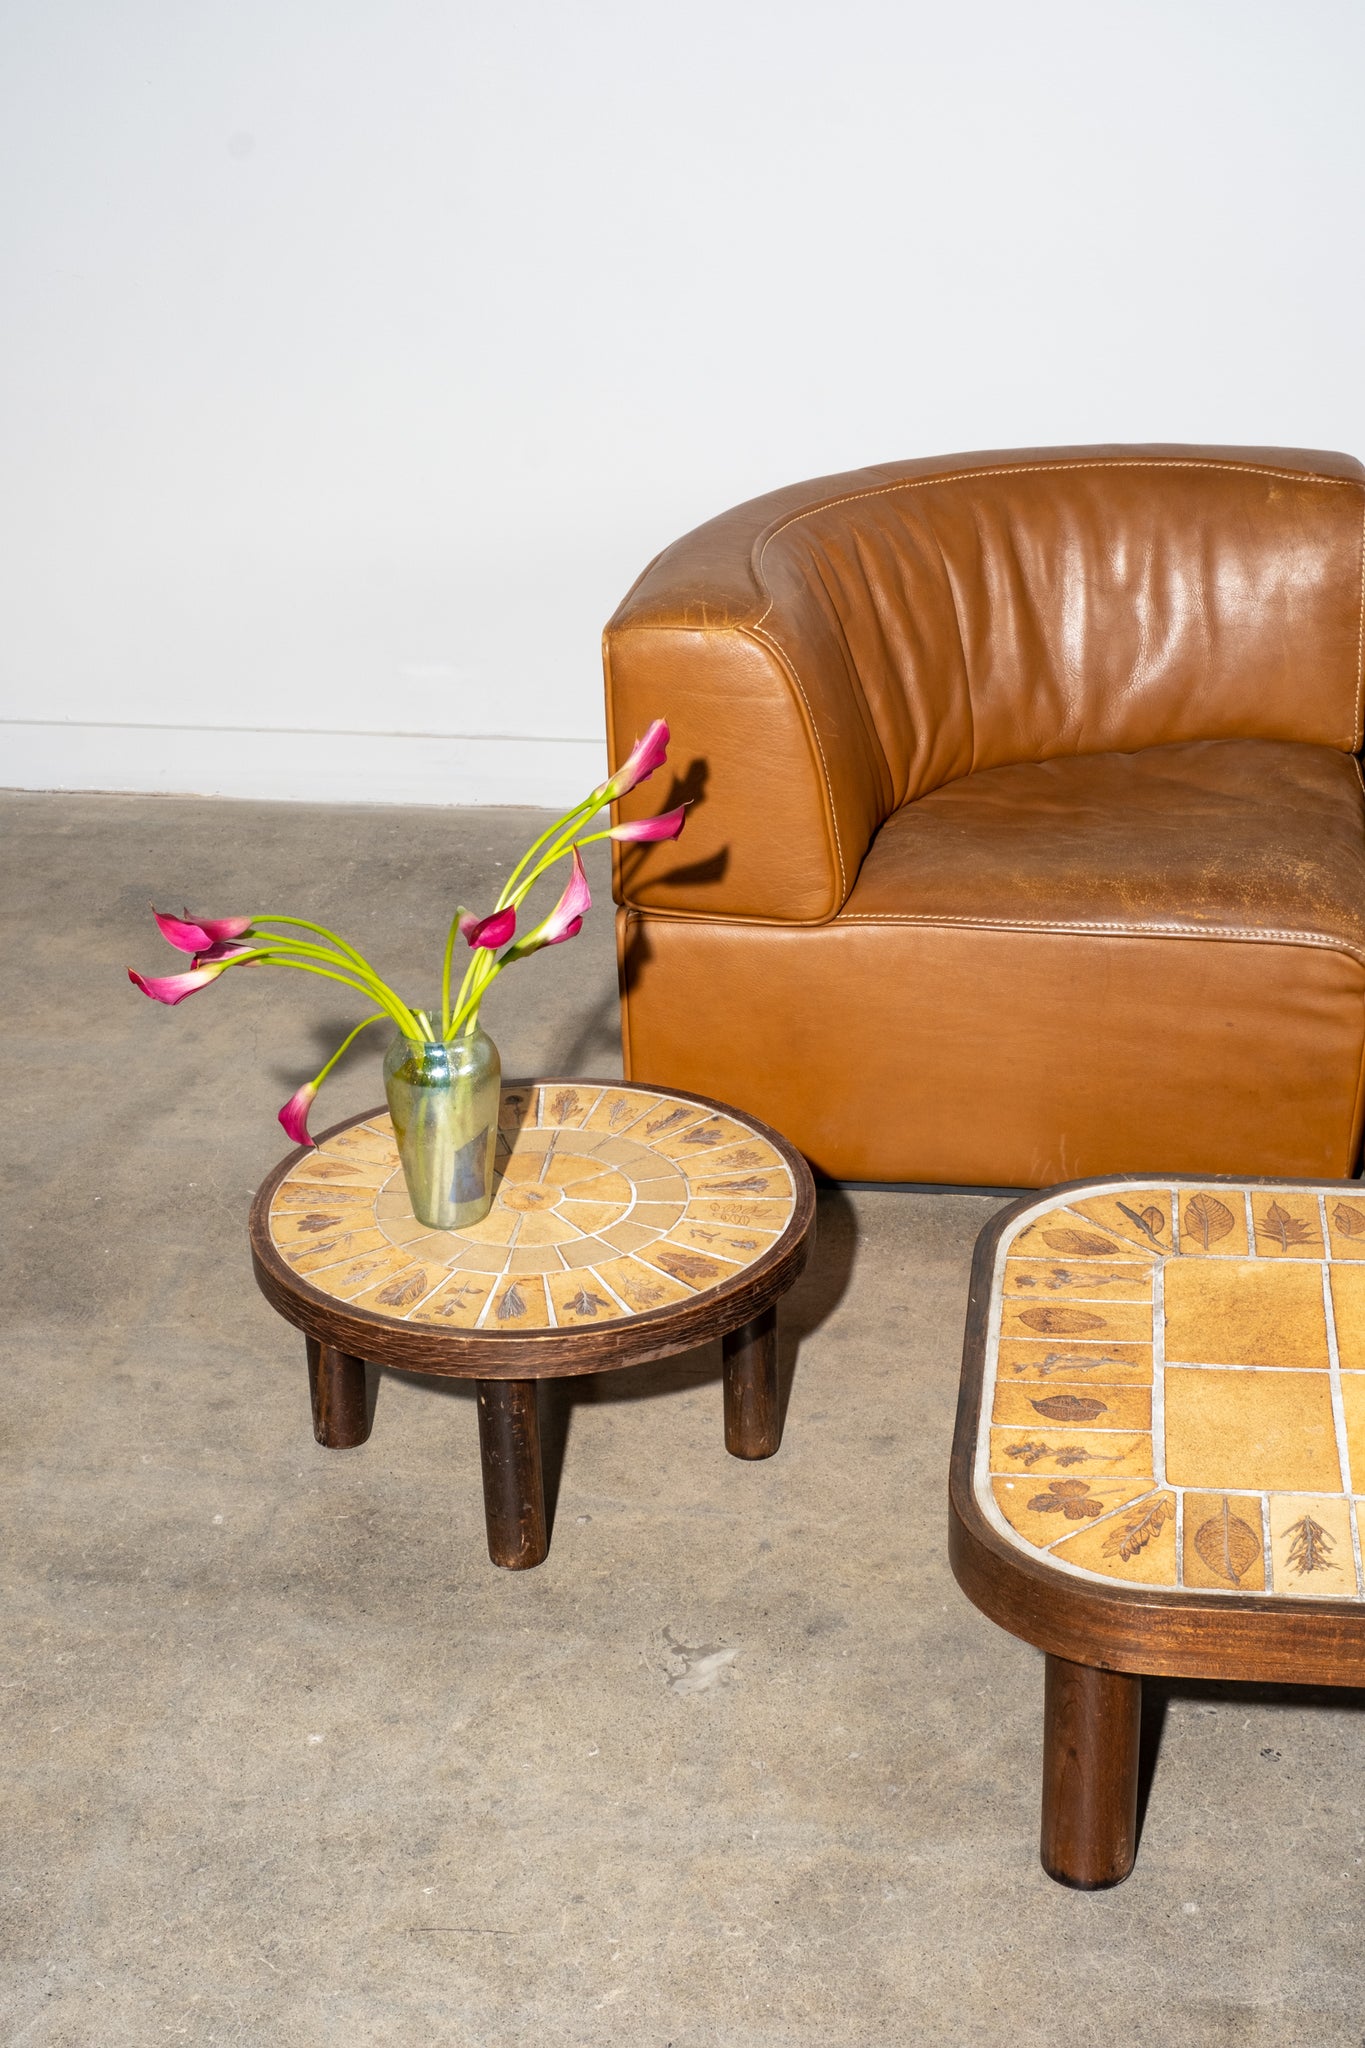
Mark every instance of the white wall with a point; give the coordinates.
(358, 353)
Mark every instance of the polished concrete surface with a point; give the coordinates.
(287, 1762)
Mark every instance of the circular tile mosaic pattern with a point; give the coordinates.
(610, 1202)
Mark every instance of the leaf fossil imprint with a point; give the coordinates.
(1060, 1322)
(1069, 1407)
(1284, 1229)
(1069, 1497)
(1079, 1244)
(1311, 1548)
(1132, 1536)
(1208, 1219)
(1349, 1222)
(1228, 1545)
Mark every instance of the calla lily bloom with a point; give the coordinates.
(645, 756)
(565, 920)
(199, 935)
(294, 1115)
(492, 931)
(667, 825)
(173, 988)
(222, 949)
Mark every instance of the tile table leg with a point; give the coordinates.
(1091, 1723)
(341, 1411)
(753, 1402)
(513, 1482)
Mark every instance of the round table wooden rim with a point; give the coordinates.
(1179, 1632)
(541, 1354)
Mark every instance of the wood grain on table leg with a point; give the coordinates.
(341, 1410)
(513, 1482)
(753, 1403)
(1091, 1723)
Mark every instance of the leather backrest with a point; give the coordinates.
(1080, 601)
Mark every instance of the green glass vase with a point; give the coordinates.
(444, 1103)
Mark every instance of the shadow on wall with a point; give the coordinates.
(810, 1302)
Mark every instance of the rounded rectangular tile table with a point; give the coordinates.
(1159, 1463)
(628, 1223)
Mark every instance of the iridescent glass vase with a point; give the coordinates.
(444, 1103)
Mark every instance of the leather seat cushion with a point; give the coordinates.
(1120, 963)
(1233, 836)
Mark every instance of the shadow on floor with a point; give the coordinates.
(811, 1301)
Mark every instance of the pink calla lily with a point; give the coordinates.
(294, 1115)
(646, 755)
(565, 920)
(199, 935)
(491, 931)
(667, 825)
(173, 988)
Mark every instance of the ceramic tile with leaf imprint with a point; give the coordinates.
(1071, 1402)
(1312, 1556)
(1094, 1322)
(1213, 1220)
(1287, 1225)
(1050, 1359)
(1139, 1218)
(1044, 1510)
(1079, 1279)
(1049, 1449)
(1223, 1542)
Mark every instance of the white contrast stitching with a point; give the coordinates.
(790, 666)
(920, 483)
(1112, 927)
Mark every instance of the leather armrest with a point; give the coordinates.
(771, 735)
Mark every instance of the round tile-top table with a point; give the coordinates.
(628, 1223)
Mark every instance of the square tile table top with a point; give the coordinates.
(1163, 1415)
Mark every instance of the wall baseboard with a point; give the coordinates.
(300, 767)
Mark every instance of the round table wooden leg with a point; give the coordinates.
(753, 1404)
(1091, 1723)
(341, 1409)
(513, 1483)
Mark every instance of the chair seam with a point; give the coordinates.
(1112, 927)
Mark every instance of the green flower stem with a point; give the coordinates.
(350, 1038)
(396, 1009)
(306, 924)
(364, 975)
(589, 808)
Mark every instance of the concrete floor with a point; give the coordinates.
(287, 1762)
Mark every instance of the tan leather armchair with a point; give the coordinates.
(1031, 838)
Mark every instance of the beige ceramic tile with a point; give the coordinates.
(565, 1166)
(641, 1287)
(518, 1304)
(762, 1215)
(618, 1109)
(498, 1227)
(354, 1277)
(443, 1246)
(394, 1203)
(1250, 1429)
(1072, 1405)
(1348, 1313)
(306, 1226)
(482, 1258)
(755, 1155)
(321, 1169)
(1287, 1224)
(1136, 1544)
(1353, 1406)
(1213, 1223)
(523, 1167)
(579, 1298)
(1310, 1547)
(695, 1269)
(1346, 1226)
(308, 1257)
(565, 1106)
(516, 1109)
(1094, 1364)
(667, 1120)
(743, 1246)
(1093, 1322)
(656, 1215)
(1043, 1510)
(1079, 1279)
(360, 1142)
(544, 1260)
(541, 1230)
(403, 1229)
(696, 1139)
(586, 1251)
(1245, 1312)
(401, 1292)
(1051, 1451)
(592, 1215)
(457, 1304)
(1223, 1543)
(1058, 1231)
(1139, 1216)
(654, 1185)
(604, 1187)
(775, 1184)
(628, 1237)
(299, 1195)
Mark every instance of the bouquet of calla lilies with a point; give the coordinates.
(218, 944)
